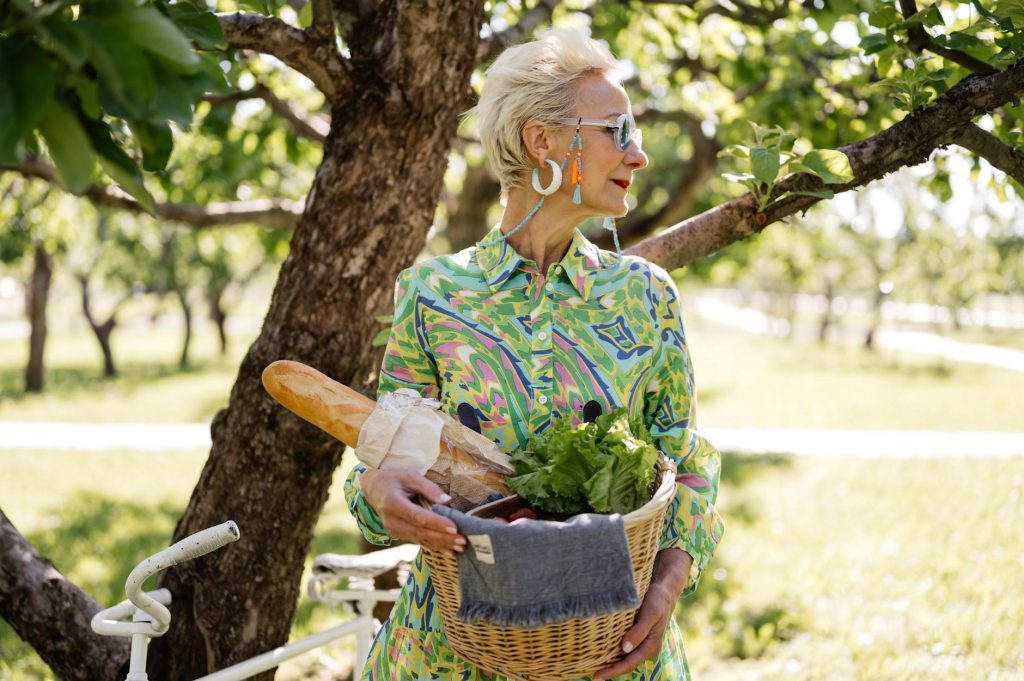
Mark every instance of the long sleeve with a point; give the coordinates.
(407, 364)
(691, 522)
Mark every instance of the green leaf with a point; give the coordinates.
(1010, 9)
(306, 15)
(765, 164)
(255, 6)
(89, 96)
(874, 42)
(736, 151)
(121, 168)
(202, 28)
(156, 142)
(67, 40)
(69, 147)
(833, 167)
(884, 16)
(27, 81)
(126, 80)
(155, 33)
(381, 338)
(929, 16)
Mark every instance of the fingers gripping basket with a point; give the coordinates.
(567, 649)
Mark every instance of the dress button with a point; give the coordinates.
(543, 399)
(549, 287)
(542, 335)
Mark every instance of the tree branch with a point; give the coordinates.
(491, 47)
(319, 61)
(322, 29)
(276, 213)
(307, 125)
(993, 150)
(920, 40)
(907, 143)
(52, 615)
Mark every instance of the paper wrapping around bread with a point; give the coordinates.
(463, 462)
(407, 431)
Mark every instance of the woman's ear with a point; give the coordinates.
(537, 140)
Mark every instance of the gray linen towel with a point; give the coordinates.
(529, 573)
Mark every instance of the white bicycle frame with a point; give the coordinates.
(150, 617)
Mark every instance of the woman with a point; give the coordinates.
(530, 325)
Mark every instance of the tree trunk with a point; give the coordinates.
(826, 320)
(186, 310)
(51, 614)
(101, 331)
(268, 470)
(215, 303)
(38, 295)
(468, 223)
(876, 318)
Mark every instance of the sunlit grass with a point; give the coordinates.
(97, 515)
(829, 569)
(149, 388)
(770, 382)
(865, 569)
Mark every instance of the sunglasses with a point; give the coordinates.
(624, 127)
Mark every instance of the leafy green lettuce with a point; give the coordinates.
(608, 466)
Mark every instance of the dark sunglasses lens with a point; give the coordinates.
(625, 132)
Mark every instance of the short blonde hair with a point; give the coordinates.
(533, 80)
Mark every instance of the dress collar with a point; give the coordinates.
(499, 261)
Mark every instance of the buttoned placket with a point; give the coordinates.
(542, 345)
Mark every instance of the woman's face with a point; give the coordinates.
(607, 171)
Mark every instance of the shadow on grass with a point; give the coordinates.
(717, 609)
(96, 541)
(68, 381)
(737, 469)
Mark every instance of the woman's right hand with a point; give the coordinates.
(390, 493)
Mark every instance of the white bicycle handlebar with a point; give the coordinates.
(110, 622)
(190, 547)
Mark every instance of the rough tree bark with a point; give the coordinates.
(366, 217)
(35, 302)
(51, 614)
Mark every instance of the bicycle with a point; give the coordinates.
(150, 617)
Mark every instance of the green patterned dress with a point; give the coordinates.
(486, 327)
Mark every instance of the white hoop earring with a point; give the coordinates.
(556, 179)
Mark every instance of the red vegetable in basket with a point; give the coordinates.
(523, 513)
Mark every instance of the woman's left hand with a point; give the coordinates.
(643, 640)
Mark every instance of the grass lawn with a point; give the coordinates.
(829, 569)
(854, 569)
(96, 533)
(769, 382)
(149, 388)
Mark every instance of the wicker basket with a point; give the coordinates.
(568, 649)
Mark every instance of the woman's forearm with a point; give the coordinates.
(672, 571)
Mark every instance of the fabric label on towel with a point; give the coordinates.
(481, 544)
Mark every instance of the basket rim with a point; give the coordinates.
(662, 496)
